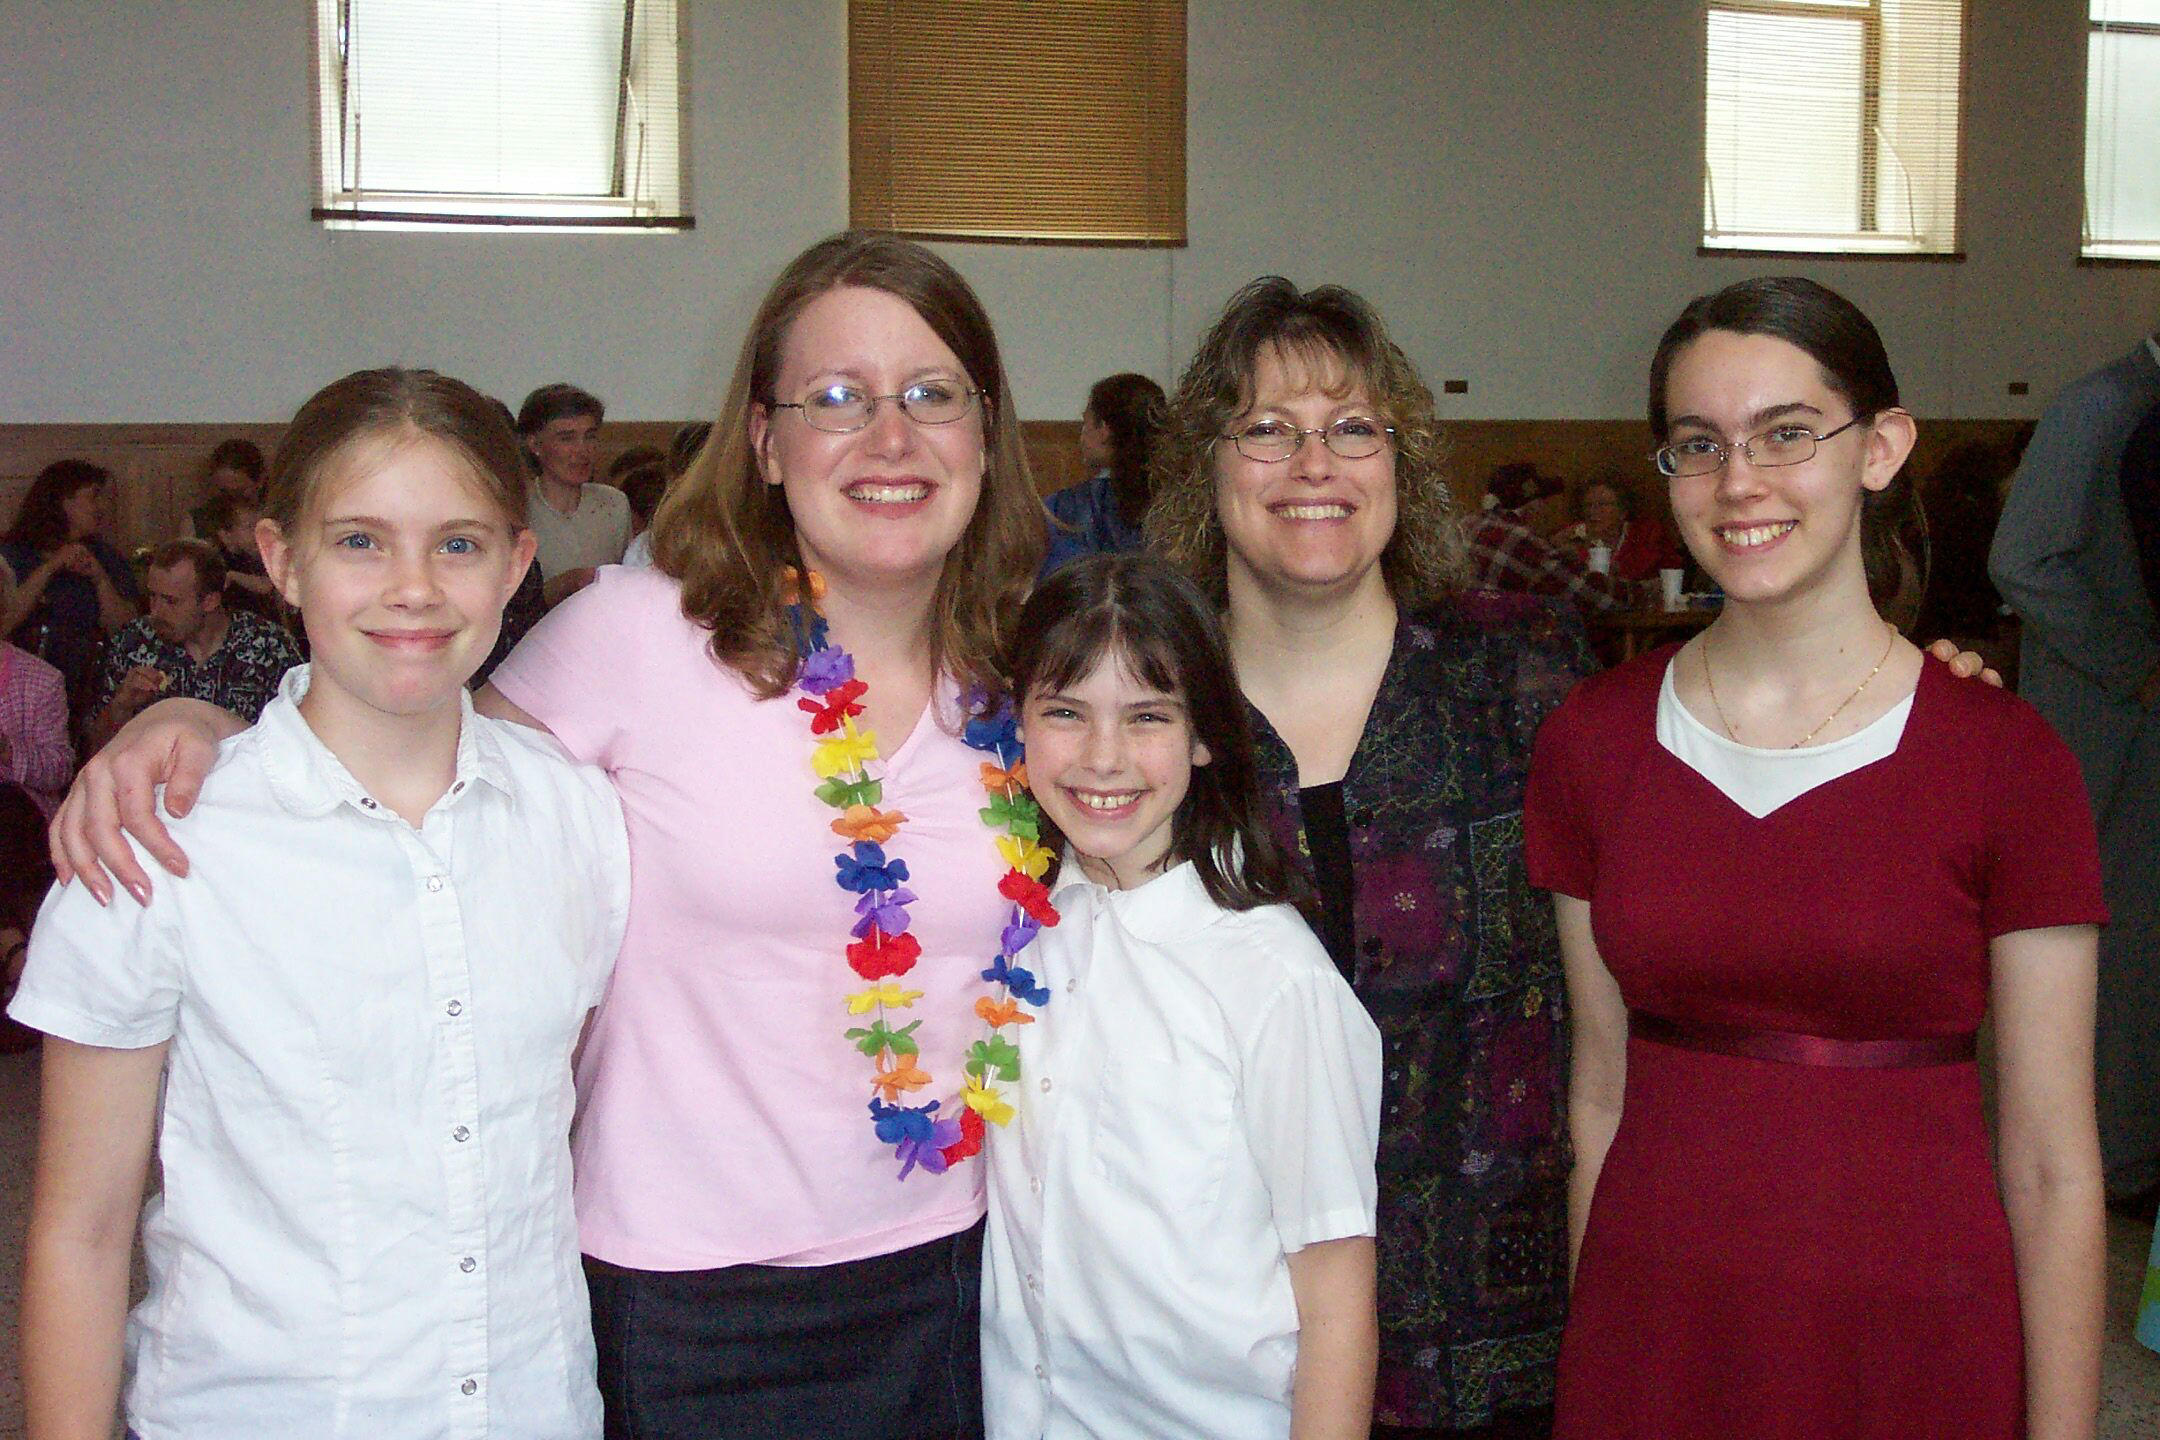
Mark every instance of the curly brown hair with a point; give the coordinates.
(1329, 330)
(729, 538)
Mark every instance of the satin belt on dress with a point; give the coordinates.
(1791, 1048)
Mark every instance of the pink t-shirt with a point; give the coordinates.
(724, 1115)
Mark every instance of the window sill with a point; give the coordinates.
(1787, 250)
(347, 219)
(2120, 257)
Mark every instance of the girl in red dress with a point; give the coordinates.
(1795, 864)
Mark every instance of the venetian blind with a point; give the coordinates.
(1056, 120)
(525, 112)
(1832, 125)
(2122, 130)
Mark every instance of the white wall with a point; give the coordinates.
(1516, 186)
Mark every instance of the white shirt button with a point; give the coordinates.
(1045, 1082)
(468, 1264)
(367, 804)
(470, 1387)
(434, 883)
(1035, 1183)
(461, 1134)
(455, 1007)
(1071, 986)
(1035, 1283)
(1042, 1374)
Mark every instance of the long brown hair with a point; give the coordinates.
(1141, 611)
(1324, 329)
(730, 539)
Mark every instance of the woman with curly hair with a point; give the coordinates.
(1300, 481)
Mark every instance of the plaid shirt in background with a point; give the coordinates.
(33, 716)
(1506, 554)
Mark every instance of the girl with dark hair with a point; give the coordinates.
(1794, 867)
(1201, 1055)
(1102, 515)
(72, 588)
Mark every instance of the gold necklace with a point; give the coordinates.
(1711, 683)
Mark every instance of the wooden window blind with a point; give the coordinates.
(1042, 120)
(562, 113)
(1832, 125)
(2122, 130)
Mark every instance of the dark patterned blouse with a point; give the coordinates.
(1458, 961)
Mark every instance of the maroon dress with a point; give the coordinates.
(1784, 1247)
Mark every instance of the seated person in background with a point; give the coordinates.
(1636, 546)
(1101, 515)
(34, 751)
(643, 488)
(234, 467)
(232, 518)
(71, 587)
(1508, 552)
(682, 448)
(580, 526)
(189, 644)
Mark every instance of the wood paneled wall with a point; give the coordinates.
(158, 467)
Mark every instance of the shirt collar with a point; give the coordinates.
(310, 781)
(1172, 906)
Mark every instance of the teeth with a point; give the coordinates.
(889, 494)
(1313, 512)
(1755, 534)
(1103, 802)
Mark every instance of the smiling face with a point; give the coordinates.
(1314, 521)
(1110, 758)
(885, 504)
(1603, 514)
(400, 569)
(565, 449)
(1769, 534)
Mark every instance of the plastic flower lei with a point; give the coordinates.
(881, 951)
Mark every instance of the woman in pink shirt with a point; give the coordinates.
(767, 1253)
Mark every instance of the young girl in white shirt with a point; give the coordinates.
(1181, 1212)
(362, 1002)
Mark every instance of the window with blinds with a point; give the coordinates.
(1832, 125)
(1047, 120)
(506, 113)
(2122, 130)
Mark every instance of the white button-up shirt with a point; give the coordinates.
(1200, 1097)
(365, 1227)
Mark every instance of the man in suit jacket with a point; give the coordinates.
(2141, 497)
(2066, 560)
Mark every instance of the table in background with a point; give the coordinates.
(1624, 634)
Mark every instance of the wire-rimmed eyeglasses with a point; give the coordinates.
(844, 409)
(1780, 445)
(1270, 441)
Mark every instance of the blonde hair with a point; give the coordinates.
(730, 539)
(382, 404)
(1325, 329)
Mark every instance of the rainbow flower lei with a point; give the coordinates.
(882, 950)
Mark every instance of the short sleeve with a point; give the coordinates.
(574, 670)
(1559, 842)
(2042, 864)
(107, 975)
(1311, 1099)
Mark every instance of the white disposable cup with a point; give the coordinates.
(1600, 559)
(1669, 581)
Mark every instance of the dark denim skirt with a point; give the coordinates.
(886, 1348)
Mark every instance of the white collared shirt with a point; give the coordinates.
(1200, 1097)
(365, 1228)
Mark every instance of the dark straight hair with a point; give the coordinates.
(41, 520)
(1142, 612)
(1845, 345)
(1132, 408)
